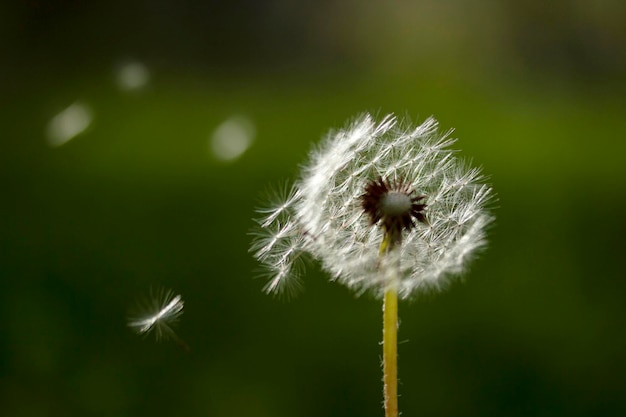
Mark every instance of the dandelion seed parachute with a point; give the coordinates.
(324, 215)
(158, 314)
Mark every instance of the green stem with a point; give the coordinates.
(390, 328)
(390, 352)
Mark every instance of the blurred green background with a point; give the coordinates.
(154, 95)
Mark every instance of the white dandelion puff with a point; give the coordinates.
(158, 314)
(440, 200)
(384, 209)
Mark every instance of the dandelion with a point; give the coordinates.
(385, 209)
(159, 314)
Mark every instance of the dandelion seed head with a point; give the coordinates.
(368, 178)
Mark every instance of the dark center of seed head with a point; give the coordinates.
(395, 204)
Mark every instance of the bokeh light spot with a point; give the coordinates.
(232, 138)
(68, 124)
(132, 76)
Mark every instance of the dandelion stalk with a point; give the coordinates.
(392, 204)
(390, 336)
(390, 352)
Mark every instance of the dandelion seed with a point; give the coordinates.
(159, 314)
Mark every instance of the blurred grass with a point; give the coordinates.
(137, 200)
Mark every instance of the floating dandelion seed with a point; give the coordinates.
(386, 210)
(159, 314)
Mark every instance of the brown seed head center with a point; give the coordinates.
(394, 204)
